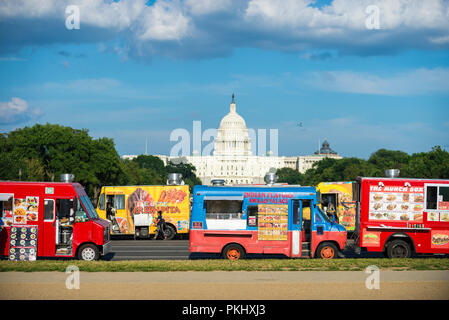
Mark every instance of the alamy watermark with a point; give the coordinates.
(72, 20)
(372, 21)
(73, 278)
(188, 143)
(373, 280)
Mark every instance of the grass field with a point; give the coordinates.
(225, 265)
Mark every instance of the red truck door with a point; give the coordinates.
(49, 225)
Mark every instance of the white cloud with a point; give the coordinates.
(203, 7)
(15, 111)
(414, 82)
(163, 21)
(196, 28)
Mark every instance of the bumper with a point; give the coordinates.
(106, 248)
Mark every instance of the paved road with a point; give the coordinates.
(226, 285)
(129, 249)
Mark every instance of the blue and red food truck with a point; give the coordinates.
(47, 219)
(239, 220)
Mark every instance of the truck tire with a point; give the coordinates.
(88, 252)
(169, 232)
(233, 252)
(144, 232)
(327, 250)
(398, 249)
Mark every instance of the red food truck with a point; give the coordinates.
(50, 219)
(402, 216)
(240, 220)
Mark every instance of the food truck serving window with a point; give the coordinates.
(251, 215)
(119, 202)
(6, 213)
(437, 197)
(223, 209)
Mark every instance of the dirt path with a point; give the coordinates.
(226, 285)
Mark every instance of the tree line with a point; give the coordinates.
(44, 152)
(432, 165)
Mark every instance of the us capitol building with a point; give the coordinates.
(232, 159)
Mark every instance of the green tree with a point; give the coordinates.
(346, 169)
(45, 151)
(187, 170)
(151, 162)
(289, 175)
(385, 159)
(433, 164)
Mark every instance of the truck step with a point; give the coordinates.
(306, 245)
(305, 253)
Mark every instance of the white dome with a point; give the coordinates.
(232, 121)
(232, 135)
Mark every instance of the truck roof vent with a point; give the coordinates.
(174, 179)
(217, 182)
(271, 178)
(67, 177)
(392, 173)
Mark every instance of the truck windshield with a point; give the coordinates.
(88, 206)
(323, 215)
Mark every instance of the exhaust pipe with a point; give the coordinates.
(174, 179)
(271, 178)
(392, 173)
(67, 177)
(218, 182)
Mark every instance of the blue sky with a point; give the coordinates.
(135, 71)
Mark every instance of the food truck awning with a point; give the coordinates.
(6, 196)
(224, 198)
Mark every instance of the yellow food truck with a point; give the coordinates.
(132, 209)
(338, 197)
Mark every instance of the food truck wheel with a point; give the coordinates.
(399, 249)
(233, 252)
(169, 232)
(327, 251)
(88, 252)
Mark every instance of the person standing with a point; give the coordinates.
(160, 223)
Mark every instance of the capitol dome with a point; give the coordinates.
(232, 135)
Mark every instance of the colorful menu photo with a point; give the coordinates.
(393, 203)
(272, 222)
(20, 211)
(32, 204)
(26, 210)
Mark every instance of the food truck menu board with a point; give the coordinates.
(396, 203)
(26, 210)
(272, 222)
(23, 243)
